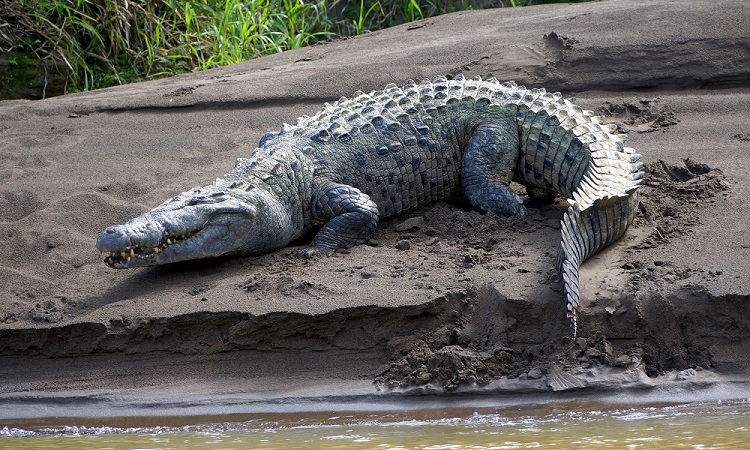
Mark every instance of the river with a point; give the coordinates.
(559, 425)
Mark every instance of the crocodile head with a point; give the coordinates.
(200, 223)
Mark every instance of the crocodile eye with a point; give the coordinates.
(214, 197)
(200, 201)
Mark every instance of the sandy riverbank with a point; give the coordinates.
(473, 304)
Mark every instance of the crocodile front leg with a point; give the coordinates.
(488, 165)
(348, 215)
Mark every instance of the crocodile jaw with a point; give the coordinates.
(123, 249)
(180, 229)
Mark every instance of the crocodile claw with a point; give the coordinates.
(310, 252)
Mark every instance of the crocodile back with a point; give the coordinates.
(403, 146)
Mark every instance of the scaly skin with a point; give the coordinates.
(388, 152)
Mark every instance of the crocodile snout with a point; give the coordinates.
(113, 238)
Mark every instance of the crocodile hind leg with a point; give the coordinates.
(488, 166)
(348, 215)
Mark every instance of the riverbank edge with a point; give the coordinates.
(236, 393)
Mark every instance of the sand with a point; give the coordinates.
(443, 301)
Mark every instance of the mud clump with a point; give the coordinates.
(486, 340)
(449, 366)
(642, 116)
(673, 195)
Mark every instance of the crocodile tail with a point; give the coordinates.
(603, 207)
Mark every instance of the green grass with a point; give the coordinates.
(100, 43)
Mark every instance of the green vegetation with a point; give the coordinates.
(100, 43)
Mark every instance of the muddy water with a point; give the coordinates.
(704, 425)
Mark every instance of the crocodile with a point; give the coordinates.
(381, 154)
